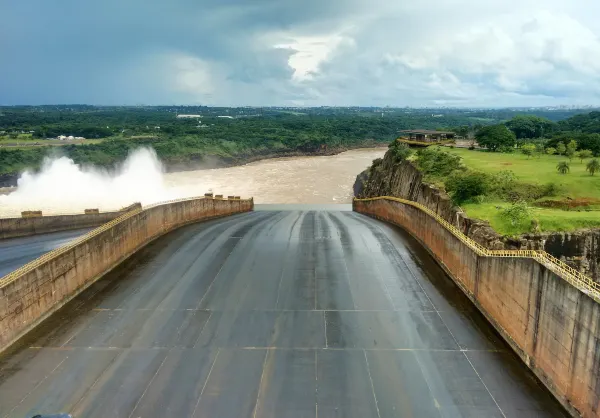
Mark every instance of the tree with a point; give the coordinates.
(463, 186)
(593, 166)
(584, 154)
(550, 151)
(528, 150)
(495, 136)
(563, 167)
(529, 126)
(571, 149)
(560, 148)
(539, 150)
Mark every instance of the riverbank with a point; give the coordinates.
(207, 161)
(215, 162)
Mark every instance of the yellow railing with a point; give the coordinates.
(61, 250)
(48, 256)
(566, 272)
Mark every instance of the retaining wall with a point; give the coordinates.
(551, 324)
(33, 292)
(23, 227)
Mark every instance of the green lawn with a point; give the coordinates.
(542, 170)
(549, 219)
(577, 184)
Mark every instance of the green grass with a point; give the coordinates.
(577, 184)
(549, 219)
(542, 170)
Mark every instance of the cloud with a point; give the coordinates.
(301, 52)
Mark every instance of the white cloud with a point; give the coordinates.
(307, 52)
(521, 56)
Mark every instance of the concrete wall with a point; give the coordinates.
(33, 292)
(553, 326)
(22, 227)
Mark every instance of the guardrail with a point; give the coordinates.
(52, 254)
(564, 271)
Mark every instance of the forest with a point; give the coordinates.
(236, 135)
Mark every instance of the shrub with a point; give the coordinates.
(516, 213)
(435, 162)
(551, 189)
(504, 185)
(506, 150)
(550, 151)
(400, 150)
(469, 185)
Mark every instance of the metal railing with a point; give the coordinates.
(560, 268)
(61, 250)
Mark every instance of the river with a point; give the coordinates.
(63, 187)
(326, 179)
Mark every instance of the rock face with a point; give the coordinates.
(386, 177)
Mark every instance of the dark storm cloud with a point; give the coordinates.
(293, 52)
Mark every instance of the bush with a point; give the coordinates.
(400, 150)
(506, 150)
(504, 185)
(471, 185)
(434, 162)
(516, 213)
(551, 189)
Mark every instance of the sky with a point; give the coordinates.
(461, 53)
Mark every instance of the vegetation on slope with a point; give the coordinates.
(515, 192)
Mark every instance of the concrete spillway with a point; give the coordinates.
(272, 314)
(16, 252)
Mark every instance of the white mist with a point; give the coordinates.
(62, 186)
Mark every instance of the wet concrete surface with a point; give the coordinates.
(272, 314)
(16, 252)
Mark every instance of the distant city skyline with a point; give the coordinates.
(302, 53)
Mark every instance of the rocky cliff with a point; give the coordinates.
(386, 177)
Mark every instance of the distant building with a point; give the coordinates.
(425, 136)
(188, 116)
(225, 117)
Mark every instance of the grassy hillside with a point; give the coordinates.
(574, 202)
(539, 170)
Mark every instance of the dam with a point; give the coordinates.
(293, 311)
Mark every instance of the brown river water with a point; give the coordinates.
(310, 180)
(63, 187)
